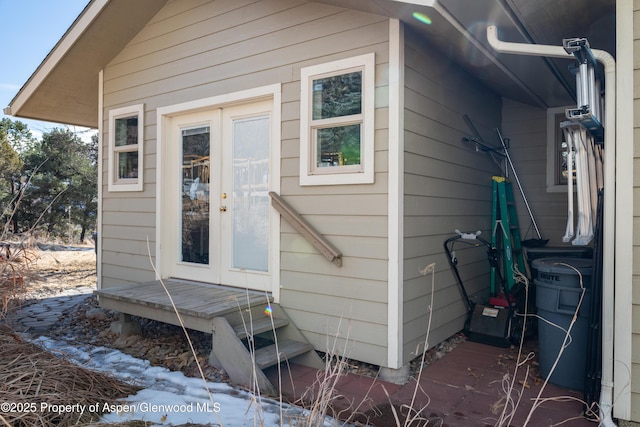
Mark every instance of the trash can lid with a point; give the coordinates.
(563, 265)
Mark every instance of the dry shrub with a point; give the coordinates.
(32, 379)
(16, 263)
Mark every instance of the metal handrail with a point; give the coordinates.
(303, 227)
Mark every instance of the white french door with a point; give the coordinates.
(245, 205)
(219, 174)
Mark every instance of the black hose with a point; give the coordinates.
(593, 368)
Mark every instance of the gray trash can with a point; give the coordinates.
(533, 254)
(558, 294)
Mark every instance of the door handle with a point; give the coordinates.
(223, 208)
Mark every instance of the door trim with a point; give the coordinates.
(164, 115)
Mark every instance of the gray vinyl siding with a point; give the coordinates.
(344, 308)
(128, 222)
(447, 186)
(194, 49)
(526, 128)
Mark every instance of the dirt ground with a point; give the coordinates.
(57, 270)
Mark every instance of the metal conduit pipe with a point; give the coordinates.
(606, 394)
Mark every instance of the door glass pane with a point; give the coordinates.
(250, 193)
(194, 198)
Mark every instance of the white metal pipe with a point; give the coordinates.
(597, 111)
(608, 271)
(524, 48)
(609, 232)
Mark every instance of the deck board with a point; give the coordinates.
(190, 298)
(185, 297)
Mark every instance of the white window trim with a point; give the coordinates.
(128, 184)
(342, 174)
(552, 154)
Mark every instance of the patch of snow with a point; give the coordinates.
(170, 398)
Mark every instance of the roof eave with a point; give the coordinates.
(51, 61)
(64, 87)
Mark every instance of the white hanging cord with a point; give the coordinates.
(568, 136)
(593, 177)
(585, 218)
(588, 164)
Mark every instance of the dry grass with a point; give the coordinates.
(56, 271)
(29, 272)
(32, 380)
(16, 264)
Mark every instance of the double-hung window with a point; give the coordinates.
(337, 122)
(557, 173)
(126, 148)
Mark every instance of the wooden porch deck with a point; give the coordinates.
(198, 303)
(233, 316)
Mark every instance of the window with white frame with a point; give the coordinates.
(337, 122)
(557, 174)
(126, 148)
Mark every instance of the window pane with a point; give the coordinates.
(128, 165)
(195, 195)
(562, 174)
(338, 146)
(251, 206)
(126, 131)
(337, 96)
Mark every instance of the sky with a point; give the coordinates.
(29, 29)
